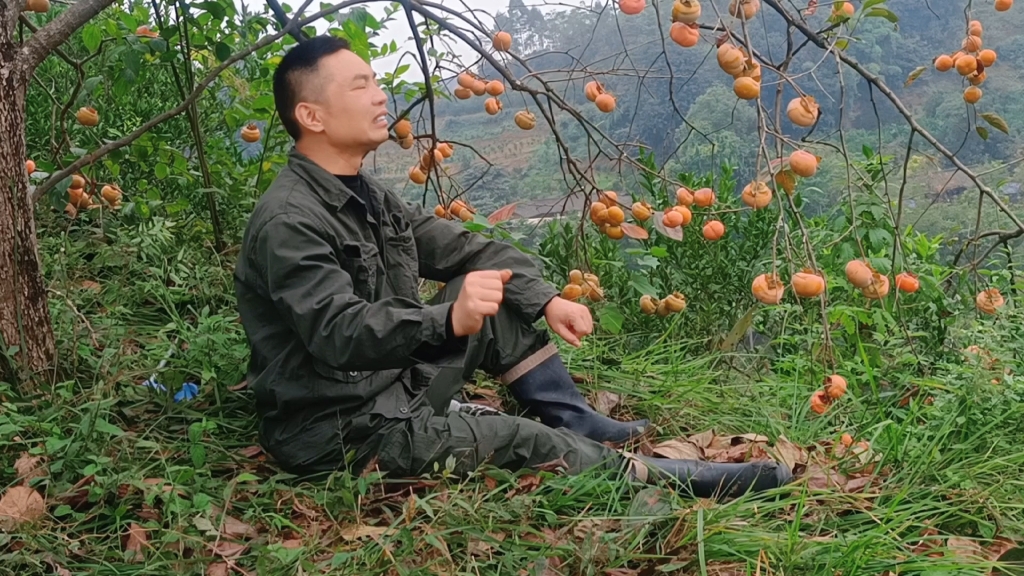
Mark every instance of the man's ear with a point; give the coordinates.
(309, 116)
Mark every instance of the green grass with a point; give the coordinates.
(951, 465)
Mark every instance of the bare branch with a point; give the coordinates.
(49, 37)
(900, 107)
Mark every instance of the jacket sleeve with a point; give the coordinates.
(447, 250)
(316, 297)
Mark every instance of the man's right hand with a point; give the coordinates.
(481, 295)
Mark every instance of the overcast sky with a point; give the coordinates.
(397, 29)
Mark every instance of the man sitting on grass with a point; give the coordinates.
(345, 358)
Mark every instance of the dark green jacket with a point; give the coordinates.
(333, 317)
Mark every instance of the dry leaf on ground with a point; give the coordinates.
(679, 450)
(964, 548)
(606, 402)
(217, 569)
(29, 467)
(251, 451)
(482, 547)
(20, 504)
(727, 569)
(702, 440)
(789, 453)
(230, 526)
(621, 572)
(137, 538)
(358, 531)
(525, 484)
(291, 543)
(228, 550)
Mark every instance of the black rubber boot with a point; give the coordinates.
(717, 480)
(548, 392)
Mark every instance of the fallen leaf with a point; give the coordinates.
(217, 569)
(359, 531)
(727, 569)
(240, 386)
(606, 402)
(228, 550)
(1000, 546)
(720, 443)
(734, 440)
(232, 527)
(291, 544)
(79, 494)
(251, 451)
(702, 440)
(789, 453)
(20, 504)
(735, 454)
(482, 547)
(29, 467)
(490, 483)
(964, 547)
(621, 572)
(821, 478)
(90, 285)
(525, 484)
(593, 527)
(678, 450)
(137, 538)
(858, 484)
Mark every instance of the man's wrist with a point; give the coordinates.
(544, 308)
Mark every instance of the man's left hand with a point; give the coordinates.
(569, 320)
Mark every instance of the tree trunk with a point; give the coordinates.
(24, 311)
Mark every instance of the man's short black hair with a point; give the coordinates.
(293, 79)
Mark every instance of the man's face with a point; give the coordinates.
(352, 110)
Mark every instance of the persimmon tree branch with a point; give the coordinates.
(879, 84)
(49, 37)
(102, 151)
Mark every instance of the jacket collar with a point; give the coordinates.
(328, 187)
(324, 184)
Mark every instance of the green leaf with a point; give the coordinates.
(882, 13)
(659, 251)
(214, 8)
(995, 121)
(92, 37)
(107, 428)
(915, 75)
(611, 319)
(264, 102)
(842, 44)
(89, 86)
(129, 21)
(871, 4)
(222, 51)
(641, 285)
(161, 170)
(982, 131)
(879, 237)
(246, 477)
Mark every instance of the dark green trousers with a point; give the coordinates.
(411, 447)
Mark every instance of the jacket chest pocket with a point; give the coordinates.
(359, 260)
(403, 261)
